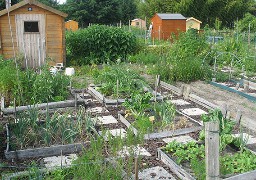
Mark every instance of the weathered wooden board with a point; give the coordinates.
(127, 124)
(46, 151)
(51, 105)
(172, 133)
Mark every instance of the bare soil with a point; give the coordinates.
(234, 101)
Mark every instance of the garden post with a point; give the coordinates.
(238, 116)
(136, 168)
(212, 142)
(2, 102)
(224, 109)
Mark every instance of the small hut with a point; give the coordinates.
(71, 25)
(35, 30)
(139, 23)
(193, 23)
(164, 25)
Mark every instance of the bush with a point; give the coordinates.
(184, 61)
(99, 43)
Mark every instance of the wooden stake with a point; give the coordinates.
(117, 86)
(156, 85)
(75, 101)
(238, 116)
(136, 168)
(2, 102)
(224, 110)
(212, 142)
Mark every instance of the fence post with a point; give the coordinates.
(2, 102)
(212, 142)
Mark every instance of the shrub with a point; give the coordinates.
(99, 43)
(184, 62)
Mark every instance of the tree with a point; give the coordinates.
(243, 24)
(100, 11)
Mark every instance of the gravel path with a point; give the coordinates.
(234, 101)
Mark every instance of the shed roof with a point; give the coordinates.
(192, 18)
(34, 2)
(171, 16)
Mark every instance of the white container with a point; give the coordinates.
(69, 71)
(53, 70)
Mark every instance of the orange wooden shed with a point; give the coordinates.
(163, 25)
(71, 25)
(35, 31)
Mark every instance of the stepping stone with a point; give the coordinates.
(107, 120)
(179, 102)
(97, 110)
(249, 139)
(194, 111)
(118, 132)
(58, 161)
(114, 132)
(134, 150)
(180, 139)
(154, 173)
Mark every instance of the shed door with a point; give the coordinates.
(30, 33)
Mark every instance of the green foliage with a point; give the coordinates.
(165, 111)
(99, 43)
(243, 24)
(206, 11)
(100, 12)
(26, 131)
(33, 88)
(184, 61)
(138, 103)
(7, 77)
(193, 153)
(128, 81)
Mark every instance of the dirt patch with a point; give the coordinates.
(234, 101)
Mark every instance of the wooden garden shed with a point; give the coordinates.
(33, 30)
(139, 23)
(192, 22)
(163, 25)
(71, 25)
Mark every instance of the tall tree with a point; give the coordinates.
(99, 11)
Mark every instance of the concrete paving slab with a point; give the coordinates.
(134, 150)
(180, 139)
(194, 111)
(106, 120)
(114, 132)
(97, 110)
(58, 161)
(154, 173)
(179, 102)
(249, 139)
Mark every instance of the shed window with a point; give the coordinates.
(31, 26)
(137, 23)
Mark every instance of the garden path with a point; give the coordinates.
(234, 101)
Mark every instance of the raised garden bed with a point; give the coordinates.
(34, 135)
(184, 172)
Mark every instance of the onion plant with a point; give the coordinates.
(59, 128)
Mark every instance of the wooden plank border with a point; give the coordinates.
(127, 124)
(172, 133)
(181, 173)
(51, 105)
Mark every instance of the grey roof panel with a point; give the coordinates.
(170, 16)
